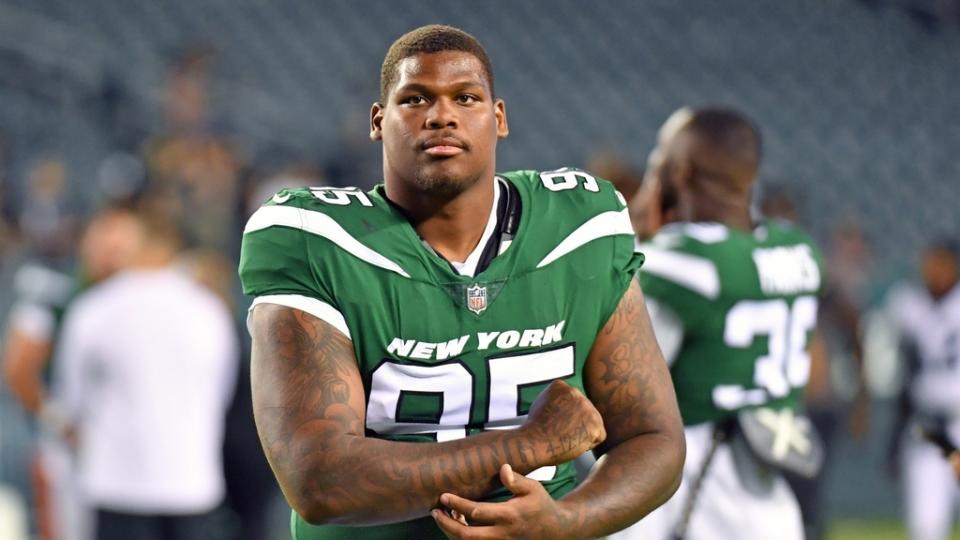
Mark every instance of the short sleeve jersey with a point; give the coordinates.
(930, 330)
(443, 356)
(747, 306)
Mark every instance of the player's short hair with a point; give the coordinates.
(432, 38)
(728, 130)
(945, 244)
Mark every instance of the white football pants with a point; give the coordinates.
(740, 498)
(930, 488)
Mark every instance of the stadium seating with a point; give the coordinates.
(858, 106)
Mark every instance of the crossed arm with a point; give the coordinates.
(309, 407)
(641, 459)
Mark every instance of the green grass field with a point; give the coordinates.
(872, 530)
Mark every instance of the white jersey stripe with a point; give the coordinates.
(319, 309)
(695, 273)
(319, 224)
(606, 224)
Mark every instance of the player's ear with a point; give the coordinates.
(376, 121)
(500, 110)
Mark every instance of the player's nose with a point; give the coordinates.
(442, 114)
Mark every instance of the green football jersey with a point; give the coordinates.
(746, 307)
(444, 356)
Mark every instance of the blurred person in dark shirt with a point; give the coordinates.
(251, 490)
(192, 165)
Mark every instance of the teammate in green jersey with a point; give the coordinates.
(430, 355)
(733, 300)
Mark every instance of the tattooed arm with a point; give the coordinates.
(641, 460)
(309, 406)
(642, 457)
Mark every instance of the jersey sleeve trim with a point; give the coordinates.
(321, 310)
(40, 284)
(33, 320)
(606, 224)
(319, 224)
(689, 271)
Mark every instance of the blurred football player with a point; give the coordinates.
(734, 302)
(927, 431)
(421, 351)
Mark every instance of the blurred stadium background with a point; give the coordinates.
(212, 104)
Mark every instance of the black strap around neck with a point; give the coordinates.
(508, 220)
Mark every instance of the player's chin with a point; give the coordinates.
(443, 181)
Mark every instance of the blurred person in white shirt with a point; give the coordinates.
(42, 294)
(144, 372)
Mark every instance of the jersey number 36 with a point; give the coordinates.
(787, 362)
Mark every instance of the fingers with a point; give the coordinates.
(507, 476)
(455, 530)
(476, 512)
(450, 527)
(493, 513)
(518, 484)
(460, 518)
(464, 507)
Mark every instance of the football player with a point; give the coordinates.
(733, 301)
(927, 431)
(430, 355)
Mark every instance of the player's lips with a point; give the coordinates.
(443, 146)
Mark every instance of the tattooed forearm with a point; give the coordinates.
(309, 408)
(628, 381)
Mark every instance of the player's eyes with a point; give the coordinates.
(466, 99)
(413, 100)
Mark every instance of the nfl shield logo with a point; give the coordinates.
(477, 299)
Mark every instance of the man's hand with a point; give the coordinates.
(955, 461)
(563, 423)
(531, 513)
